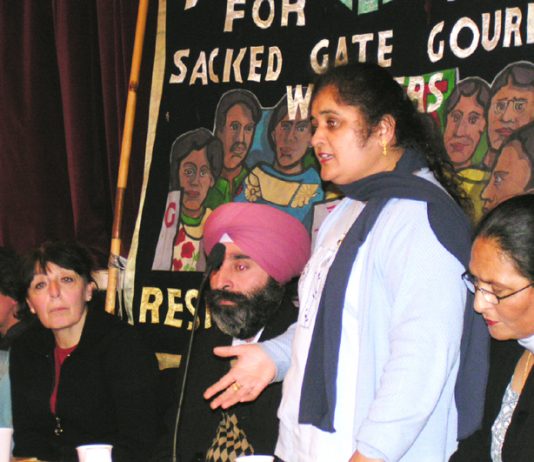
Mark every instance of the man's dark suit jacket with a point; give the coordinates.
(199, 423)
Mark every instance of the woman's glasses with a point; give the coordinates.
(472, 285)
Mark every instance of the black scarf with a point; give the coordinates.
(452, 229)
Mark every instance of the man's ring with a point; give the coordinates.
(236, 386)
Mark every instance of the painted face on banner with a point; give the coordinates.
(464, 127)
(509, 177)
(510, 108)
(196, 180)
(292, 140)
(236, 135)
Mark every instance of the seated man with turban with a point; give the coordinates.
(248, 299)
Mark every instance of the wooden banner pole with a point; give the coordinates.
(126, 148)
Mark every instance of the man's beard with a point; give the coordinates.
(247, 314)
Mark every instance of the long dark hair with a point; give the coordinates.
(372, 90)
(511, 225)
(190, 141)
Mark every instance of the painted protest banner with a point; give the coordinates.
(229, 117)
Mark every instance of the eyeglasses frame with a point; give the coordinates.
(469, 279)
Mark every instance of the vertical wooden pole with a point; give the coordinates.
(126, 148)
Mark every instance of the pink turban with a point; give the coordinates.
(275, 240)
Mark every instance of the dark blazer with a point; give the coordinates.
(199, 423)
(106, 393)
(519, 441)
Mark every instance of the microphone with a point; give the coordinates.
(213, 262)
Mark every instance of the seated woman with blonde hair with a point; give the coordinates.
(501, 275)
(81, 376)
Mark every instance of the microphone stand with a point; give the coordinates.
(214, 261)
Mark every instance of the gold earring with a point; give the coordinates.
(384, 147)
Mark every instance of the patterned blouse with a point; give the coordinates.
(500, 426)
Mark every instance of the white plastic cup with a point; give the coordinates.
(6, 443)
(94, 453)
(255, 458)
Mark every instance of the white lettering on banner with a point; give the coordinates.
(207, 68)
(462, 24)
(362, 40)
(200, 71)
(213, 76)
(179, 56)
(384, 47)
(296, 100)
(433, 54)
(232, 14)
(255, 63)
(320, 54)
(232, 64)
(258, 20)
(511, 27)
(418, 91)
(434, 90)
(341, 52)
(511, 34)
(319, 66)
(263, 13)
(488, 43)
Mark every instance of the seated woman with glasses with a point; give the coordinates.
(501, 275)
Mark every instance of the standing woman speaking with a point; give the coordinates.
(376, 349)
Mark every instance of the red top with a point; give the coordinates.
(60, 354)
